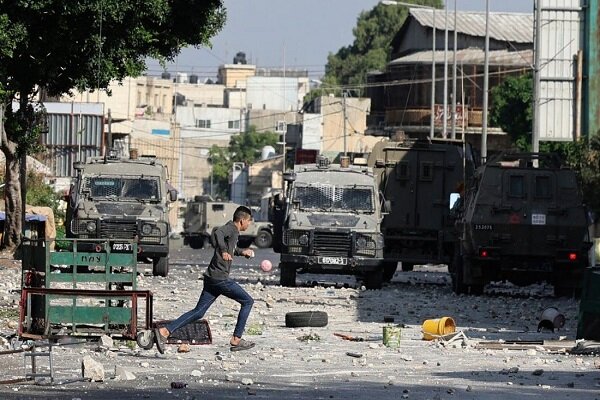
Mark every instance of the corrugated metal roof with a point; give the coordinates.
(511, 27)
(470, 56)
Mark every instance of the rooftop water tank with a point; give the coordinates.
(267, 152)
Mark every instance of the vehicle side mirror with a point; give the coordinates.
(387, 206)
(172, 195)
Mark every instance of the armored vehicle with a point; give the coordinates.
(521, 219)
(113, 198)
(329, 222)
(203, 215)
(417, 178)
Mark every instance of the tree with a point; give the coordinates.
(371, 49)
(245, 147)
(58, 45)
(512, 108)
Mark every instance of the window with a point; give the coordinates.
(426, 173)
(233, 124)
(516, 186)
(218, 207)
(543, 187)
(203, 123)
(281, 126)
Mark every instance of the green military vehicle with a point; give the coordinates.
(203, 215)
(522, 219)
(417, 179)
(114, 198)
(329, 222)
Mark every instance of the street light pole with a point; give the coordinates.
(433, 51)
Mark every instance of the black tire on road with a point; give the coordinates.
(160, 266)
(406, 267)
(458, 285)
(263, 240)
(287, 275)
(301, 319)
(374, 279)
(196, 242)
(389, 269)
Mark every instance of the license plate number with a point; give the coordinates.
(121, 247)
(333, 260)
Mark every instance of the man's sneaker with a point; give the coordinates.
(242, 345)
(160, 341)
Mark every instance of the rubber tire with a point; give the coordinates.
(263, 240)
(407, 267)
(301, 319)
(287, 275)
(196, 242)
(145, 339)
(374, 280)
(389, 269)
(160, 266)
(458, 285)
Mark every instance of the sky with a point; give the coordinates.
(294, 34)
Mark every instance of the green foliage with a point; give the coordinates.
(584, 157)
(59, 45)
(371, 48)
(245, 147)
(41, 194)
(512, 109)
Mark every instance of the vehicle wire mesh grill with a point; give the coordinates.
(332, 244)
(325, 197)
(118, 229)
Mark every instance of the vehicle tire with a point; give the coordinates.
(301, 319)
(389, 269)
(458, 285)
(263, 240)
(160, 266)
(563, 291)
(196, 242)
(287, 275)
(145, 339)
(406, 267)
(374, 279)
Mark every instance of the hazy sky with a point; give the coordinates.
(297, 34)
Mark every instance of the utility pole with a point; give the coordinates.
(344, 94)
(453, 128)
(486, 78)
(109, 136)
(445, 112)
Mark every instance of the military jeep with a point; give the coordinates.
(114, 198)
(522, 219)
(329, 223)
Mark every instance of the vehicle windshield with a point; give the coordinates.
(123, 188)
(325, 197)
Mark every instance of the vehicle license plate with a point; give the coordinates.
(117, 247)
(333, 260)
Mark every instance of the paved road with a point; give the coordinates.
(312, 363)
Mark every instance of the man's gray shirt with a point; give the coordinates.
(225, 240)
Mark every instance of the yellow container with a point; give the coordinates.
(392, 336)
(434, 328)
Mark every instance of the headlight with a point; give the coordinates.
(303, 240)
(147, 229)
(361, 243)
(91, 226)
